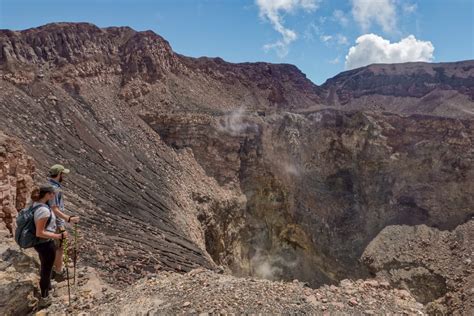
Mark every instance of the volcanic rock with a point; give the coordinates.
(16, 171)
(427, 262)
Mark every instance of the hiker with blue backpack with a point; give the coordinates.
(41, 226)
(45, 232)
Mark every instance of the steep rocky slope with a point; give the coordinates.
(180, 163)
(114, 183)
(436, 266)
(444, 89)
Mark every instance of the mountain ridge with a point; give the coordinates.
(146, 56)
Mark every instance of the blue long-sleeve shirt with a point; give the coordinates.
(57, 201)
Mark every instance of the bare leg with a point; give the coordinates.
(58, 260)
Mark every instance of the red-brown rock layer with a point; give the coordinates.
(16, 179)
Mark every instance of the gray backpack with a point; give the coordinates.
(25, 233)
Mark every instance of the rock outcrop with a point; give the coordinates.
(16, 179)
(436, 266)
(18, 277)
(18, 268)
(201, 291)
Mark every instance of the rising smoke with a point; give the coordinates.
(270, 266)
(235, 124)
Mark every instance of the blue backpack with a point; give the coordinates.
(25, 233)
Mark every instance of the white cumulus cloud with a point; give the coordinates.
(371, 48)
(381, 12)
(272, 10)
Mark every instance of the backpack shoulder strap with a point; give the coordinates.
(50, 215)
(34, 208)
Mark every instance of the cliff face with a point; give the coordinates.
(18, 280)
(180, 162)
(320, 186)
(16, 179)
(444, 89)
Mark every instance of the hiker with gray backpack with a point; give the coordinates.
(36, 227)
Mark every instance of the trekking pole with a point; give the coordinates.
(75, 252)
(65, 260)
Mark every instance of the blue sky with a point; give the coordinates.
(315, 35)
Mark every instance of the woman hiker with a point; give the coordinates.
(45, 222)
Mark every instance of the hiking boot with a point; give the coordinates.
(60, 276)
(45, 302)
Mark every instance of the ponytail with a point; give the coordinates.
(38, 193)
(35, 195)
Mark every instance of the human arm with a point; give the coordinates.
(41, 231)
(66, 218)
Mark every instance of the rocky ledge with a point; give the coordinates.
(435, 266)
(205, 292)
